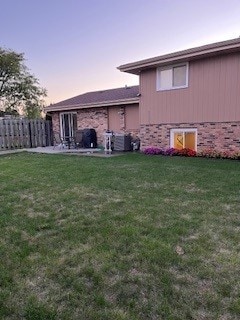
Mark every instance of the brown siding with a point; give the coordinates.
(124, 119)
(132, 118)
(114, 118)
(213, 94)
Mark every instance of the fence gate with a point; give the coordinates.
(24, 133)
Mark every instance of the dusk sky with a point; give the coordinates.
(75, 46)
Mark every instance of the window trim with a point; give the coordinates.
(170, 67)
(61, 124)
(173, 131)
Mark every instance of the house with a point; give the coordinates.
(115, 110)
(190, 98)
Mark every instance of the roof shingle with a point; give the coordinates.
(98, 97)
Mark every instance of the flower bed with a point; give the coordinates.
(186, 152)
(212, 153)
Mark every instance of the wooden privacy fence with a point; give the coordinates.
(24, 133)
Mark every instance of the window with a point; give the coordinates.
(172, 77)
(68, 124)
(184, 138)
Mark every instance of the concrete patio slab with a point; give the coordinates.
(50, 150)
(97, 152)
(61, 150)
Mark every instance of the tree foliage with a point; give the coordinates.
(20, 91)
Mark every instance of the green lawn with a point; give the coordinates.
(128, 237)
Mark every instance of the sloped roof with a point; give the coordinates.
(116, 96)
(205, 51)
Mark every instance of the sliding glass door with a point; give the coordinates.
(68, 124)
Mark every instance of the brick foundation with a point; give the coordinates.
(220, 136)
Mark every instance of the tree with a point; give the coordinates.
(20, 91)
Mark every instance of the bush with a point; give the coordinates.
(186, 152)
(212, 153)
(153, 151)
(171, 152)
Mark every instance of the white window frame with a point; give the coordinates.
(70, 124)
(179, 130)
(170, 67)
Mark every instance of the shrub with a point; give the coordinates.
(171, 152)
(186, 152)
(212, 153)
(153, 151)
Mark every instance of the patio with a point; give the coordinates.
(57, 150)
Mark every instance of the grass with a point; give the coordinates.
(130, 237)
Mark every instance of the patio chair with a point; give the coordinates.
(57, 140)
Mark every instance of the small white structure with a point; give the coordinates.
(108, 138)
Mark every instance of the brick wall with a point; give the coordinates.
(55, 122)
(220, 136)
(96, 118)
